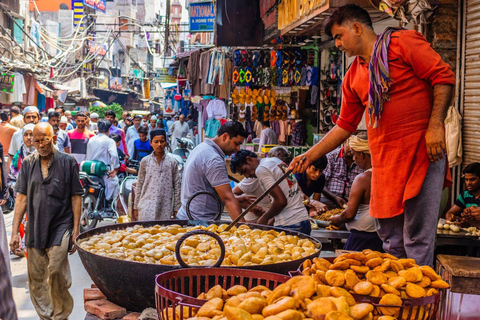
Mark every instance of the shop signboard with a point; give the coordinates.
(162, 76)
(202, 16)
(99, 5)
(116, 83)
(6, 82)
(99, 49)
(290, 11)
(146, 89)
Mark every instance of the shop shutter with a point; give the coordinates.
(471, 100)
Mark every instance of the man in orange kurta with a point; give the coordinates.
(407, 137)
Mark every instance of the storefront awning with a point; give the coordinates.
(311, 23)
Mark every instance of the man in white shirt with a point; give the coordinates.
(179, 129)
(287, 208)
(132, 133)
(268, 136)
(102, 148)
(93, 122)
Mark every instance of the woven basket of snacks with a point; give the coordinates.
(397, 288)
(233, 294)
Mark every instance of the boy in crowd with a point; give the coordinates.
(312, 182)
(287, 209)
(122, 157)
(141, 146)
(361, 225)
(465, 207)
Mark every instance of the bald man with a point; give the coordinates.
(49, 190)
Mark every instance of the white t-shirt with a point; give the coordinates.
(268, 172)
(251, 187)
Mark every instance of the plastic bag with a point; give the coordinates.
(453, 137)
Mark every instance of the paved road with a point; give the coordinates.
(21, 294)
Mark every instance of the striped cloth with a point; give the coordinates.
(379, 76)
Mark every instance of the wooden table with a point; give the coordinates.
(448, 237)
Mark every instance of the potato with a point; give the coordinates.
(415, 291)
(337, 315)
(207, 309)
(340, 292)
(236, 290)
(335, 278)
(290, 315)
(258, 289)
(233, 301)
(202, 296)
(358, 311)
(253, 305)
(363, 288)
(303, 283)
(318, 309)
(390, 300)
(252, 294)
(214, 292)
(283, 304)
(280, 291)
(233, 313)
(439, 284)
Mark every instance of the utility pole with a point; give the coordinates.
(167, 33)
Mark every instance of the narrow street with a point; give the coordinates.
(21, 294)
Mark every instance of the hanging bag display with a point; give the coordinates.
(187, 92)
(178, 95)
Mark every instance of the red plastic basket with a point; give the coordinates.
(175, 291)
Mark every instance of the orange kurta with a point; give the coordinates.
(397, 146)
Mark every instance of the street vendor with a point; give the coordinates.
(355, 216)
(287, 209)
(467, 205)
(404, 88)
(206, 170)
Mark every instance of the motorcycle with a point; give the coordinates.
(95, 206)
(124, 199)
(181, 152)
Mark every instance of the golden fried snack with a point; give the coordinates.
(396, 266)
(323, 290)
(233, 313)
(362, 269)
(215, 304)
(351, 279)
(415, 291)
(389, 289)
(373, 255)
(341, 265)
(429, 272)
(340, 292)
(431, 292)
(388, 256)
(341, 304)
(258, 289)
(253, 305)
(376, 277)
(390, 300)
(439, 284)
(282, 304)
(337, 315)
(236, 290)
(363, 288)
(307, 271)
(374, 262)
(321, 276)
(290, 315)
(321, 263)
(386, 318)
(319, 308)
(202, 296)
(280, 291)
(251, 294)
(409, 275)
(375, 291)
(214, 292)
(361, 310)
(425, 282)
(257, 317)
(353, 262)
(306, 264)
(357, 256)
(272, 318)
(407, 263)
(397, 282)
(390, 274)
(303, 283)
(383, 267)
(335, 278)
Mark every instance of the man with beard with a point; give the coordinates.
(30, 115)
(79, 138)
(49, 190)
(63, 141)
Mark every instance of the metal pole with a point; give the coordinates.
(167, 32)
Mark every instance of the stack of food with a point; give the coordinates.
(297, 299)
(328, 214)
(156, 245)
(379, 275)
